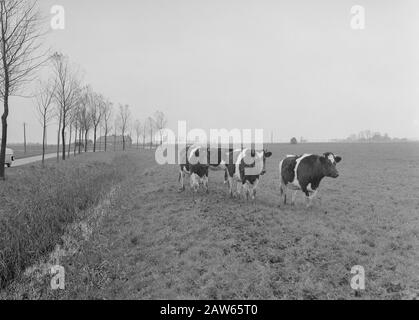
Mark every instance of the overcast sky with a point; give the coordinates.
(292, 67)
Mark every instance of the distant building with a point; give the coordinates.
(114, 141)
(81, 143)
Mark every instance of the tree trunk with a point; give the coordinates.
(94, 139)
(106, 138)
(114, 142)
(58, 138)
(123, 142)
(151, 139)
(100, 139)
(4, 132)
(80, 135)
(144, 138)
(85, 140)
(24, 138)
(69, 143)
(75, 138)
(6, 87)
(43, 140)
(63, 136)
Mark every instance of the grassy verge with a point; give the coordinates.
(38, 203)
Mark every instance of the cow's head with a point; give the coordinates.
(265, 154)
(255, 161)
(329, 161)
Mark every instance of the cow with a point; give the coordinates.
(216, 160)
(195, 167)
(246, 170)
(305, 173)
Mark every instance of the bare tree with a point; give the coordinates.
(123, 122)
(20, 54)
(138, 130)
(72, 123)
(96, 110)
(151, 125)
(44, 99)
(107, 116)
(85, 118)
(160, 121)
(67, 91)
(77, 125)
(59, 115)
(144, 132)
(114, 135)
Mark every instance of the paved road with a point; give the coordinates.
(22, 162)
(29, 160)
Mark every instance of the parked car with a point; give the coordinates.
(9, 157)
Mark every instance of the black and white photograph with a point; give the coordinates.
(224, 151)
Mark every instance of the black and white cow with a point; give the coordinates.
(195, 166)
(246, 170)
(305, 173)
(204, 159)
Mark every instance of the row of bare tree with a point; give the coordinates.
(80, 110)
(150, 127)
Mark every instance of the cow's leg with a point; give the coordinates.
(246, 190)
(294, 195)
(239, 188)
(283, 192)
(253, 190)
(181, 180)
(205, 181)
(194, 179)
(310, 198)
(230, 186)
(226, 180)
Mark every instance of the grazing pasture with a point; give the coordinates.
(155, 242)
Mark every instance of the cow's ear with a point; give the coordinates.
(338, 159)
(268, 154)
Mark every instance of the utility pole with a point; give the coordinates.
(24, 137)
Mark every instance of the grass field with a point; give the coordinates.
(39, 203)
(153, 242)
